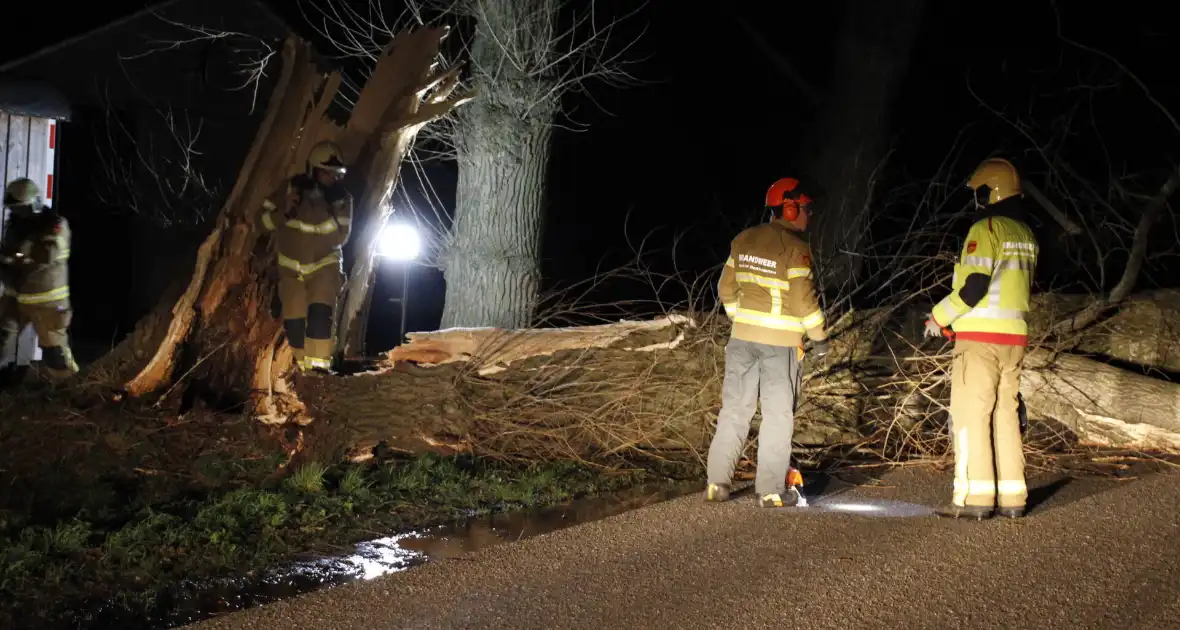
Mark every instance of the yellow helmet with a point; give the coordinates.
(326, 155)
(22, 192)
(999, 176)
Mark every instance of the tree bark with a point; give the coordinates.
(652, 388)
(1103, 405)
(492, 260)
(492, 267)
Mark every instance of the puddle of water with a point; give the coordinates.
(194, 601)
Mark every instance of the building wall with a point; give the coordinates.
(24, 152)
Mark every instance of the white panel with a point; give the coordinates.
(50, 160)
(18, 142)
(14, 162)
(38, 145)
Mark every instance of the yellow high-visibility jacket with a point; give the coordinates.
(35, 255)
(312, 224)
(990, 291)
(767, 287)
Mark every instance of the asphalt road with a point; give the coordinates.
(1094, 554)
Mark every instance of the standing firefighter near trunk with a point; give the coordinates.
(768, 293)
(986, 310)
(312, 216)
(34, 267)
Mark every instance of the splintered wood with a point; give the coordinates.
(494, 349)
(224, 312)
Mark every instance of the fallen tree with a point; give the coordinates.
(651, 389)
(219, 331)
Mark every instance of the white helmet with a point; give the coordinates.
(22, 192)
(327, 155)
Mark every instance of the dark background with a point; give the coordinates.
(691, 151)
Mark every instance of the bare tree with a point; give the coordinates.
(848, 141)
(524, 56)
(149, 169)
(150, 164)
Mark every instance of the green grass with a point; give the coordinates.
(134, 549)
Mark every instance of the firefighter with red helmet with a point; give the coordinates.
(768, 290)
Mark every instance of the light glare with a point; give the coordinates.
(399, 241)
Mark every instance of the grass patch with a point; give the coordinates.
(111, 507)
(49, 569)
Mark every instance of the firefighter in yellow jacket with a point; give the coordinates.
(986, 309)
(312, 216)
(34, 267)
(767, 289)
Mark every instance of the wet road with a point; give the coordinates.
(1095, 554)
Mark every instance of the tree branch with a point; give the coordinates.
(780, 62)
(1072, 228)
(1126, 283)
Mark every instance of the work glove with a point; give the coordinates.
(820, 349)
(932, 328)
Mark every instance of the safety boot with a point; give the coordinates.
(977, 512)
(717, 492)
(790, 498)
(317, 365)
(1011, 512)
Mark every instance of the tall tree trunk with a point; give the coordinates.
(492, 261)
(493, 264)
(850, 140)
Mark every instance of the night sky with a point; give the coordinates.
(695, 148)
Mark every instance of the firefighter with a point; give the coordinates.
(986, 310)
(312, 216)
(34, 267)
(768, 292)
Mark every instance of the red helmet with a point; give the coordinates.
(783, 193)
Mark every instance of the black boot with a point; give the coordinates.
(1011, 512)
(977, 512)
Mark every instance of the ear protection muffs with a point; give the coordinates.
(782, 194)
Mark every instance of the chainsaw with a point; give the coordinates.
(795, 480)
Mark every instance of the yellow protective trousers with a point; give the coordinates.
(985, 424)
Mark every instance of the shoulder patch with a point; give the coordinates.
(806, 260)
(971, 245)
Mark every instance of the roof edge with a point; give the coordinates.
(15, 63)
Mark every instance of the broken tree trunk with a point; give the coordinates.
(424, 95)
(1103, 405)
(642, 388)
(220, 329)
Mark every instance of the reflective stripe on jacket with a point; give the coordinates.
(1004, 249)
(39, 250)
(767, 287)
(311, 236)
